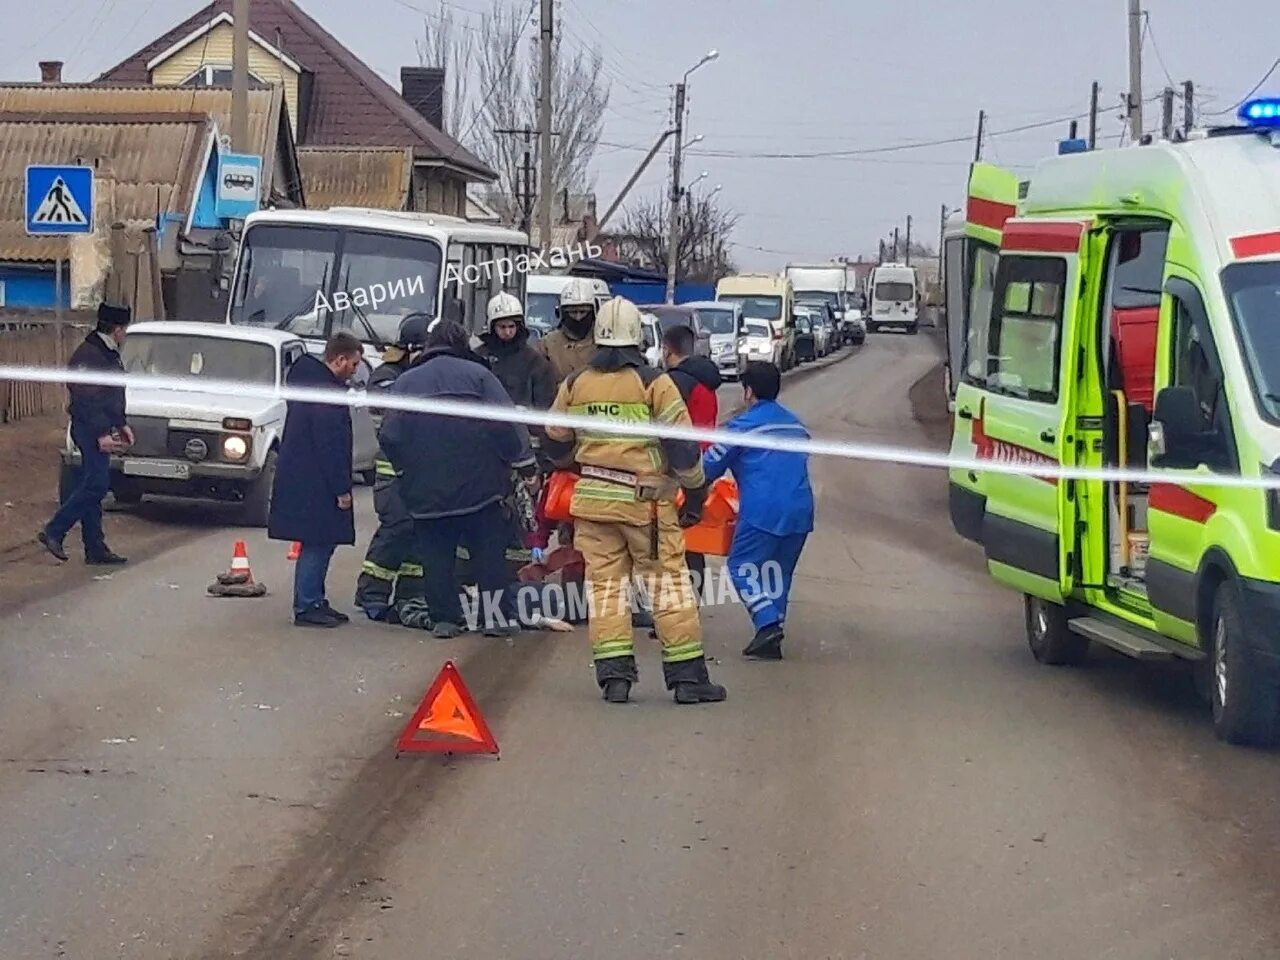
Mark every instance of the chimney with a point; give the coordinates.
(423, 89)
(50, 71)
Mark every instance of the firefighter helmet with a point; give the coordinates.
(618, 324)
(504, 306)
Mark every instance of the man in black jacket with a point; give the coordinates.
(98, 429)
(311, 499)
(455, 473)
(523, 371)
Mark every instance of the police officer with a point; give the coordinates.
(391, 572)
(571, 345)
(626, 523)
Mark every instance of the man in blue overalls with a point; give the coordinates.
(776, 508)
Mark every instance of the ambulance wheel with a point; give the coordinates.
(256, 507)
(1245, 699)
(1051, 641)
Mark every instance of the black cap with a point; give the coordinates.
(110, 317)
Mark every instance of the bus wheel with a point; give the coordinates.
(1246, 702)
(1051, 641)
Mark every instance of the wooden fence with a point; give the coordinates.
(35, 343)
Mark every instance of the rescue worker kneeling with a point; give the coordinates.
(391, 586)
(625, 519)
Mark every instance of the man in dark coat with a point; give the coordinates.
(98, 429)
(523, 371)
(455, 473)
(311, 499)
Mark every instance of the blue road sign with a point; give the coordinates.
(239, 185)
(59, 200)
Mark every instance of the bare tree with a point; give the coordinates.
(500, 92)
(702, 250)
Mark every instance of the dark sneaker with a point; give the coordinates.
(446, 631)
(317, 617)
(52, 545)
(105, 559)
(641, 619)
(336, 614)
(700, 693)
(617, 691)
(766, 645)
(503, 632)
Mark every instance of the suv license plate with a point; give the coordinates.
(157, 470)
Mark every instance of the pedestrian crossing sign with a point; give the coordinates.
(59, 200)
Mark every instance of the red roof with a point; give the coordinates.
(350, 105)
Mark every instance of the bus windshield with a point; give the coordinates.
(757, 308)
(313, 281)
(1253, 293)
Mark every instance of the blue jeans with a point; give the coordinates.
(309, 573)
(762, 566)
(84, 503)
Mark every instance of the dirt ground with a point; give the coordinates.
(28, 497)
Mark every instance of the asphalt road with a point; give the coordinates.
(183, 777)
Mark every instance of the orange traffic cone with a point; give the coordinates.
(295, 551)
(238, 580)
(240, 562)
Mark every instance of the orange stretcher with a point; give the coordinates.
(712, 535)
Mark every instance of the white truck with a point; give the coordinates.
(826, 283)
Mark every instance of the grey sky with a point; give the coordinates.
(794, 76)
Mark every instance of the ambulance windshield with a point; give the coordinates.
(1253, 291)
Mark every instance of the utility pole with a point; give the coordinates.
(673, 241)
(524, 186)
(1093, 115)
(644, 164)
(1166, 114)
(1135, 71)
(1188, 107)
(982, 131)
(547, 29)
(240, 77)
(942, 244)
(895, 245)
(880, 256)
(908, 240)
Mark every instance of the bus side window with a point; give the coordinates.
(1026, 327)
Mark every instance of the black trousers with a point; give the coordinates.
(485, 534)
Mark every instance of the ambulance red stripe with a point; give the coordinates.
(1181, 502)
(989, 213)
(1043, 237)
(1256, 245)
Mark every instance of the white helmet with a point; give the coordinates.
(504, 306)
(578, 293)
(618, 324)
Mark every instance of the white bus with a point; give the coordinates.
(895, 298)
(314, 272)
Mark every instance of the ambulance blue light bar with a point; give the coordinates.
(1261, 113)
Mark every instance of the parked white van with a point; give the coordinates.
(895, 298)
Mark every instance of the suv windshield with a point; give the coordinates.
(214, 358)
(716, 321)
(757, 328)
(758, 308)
(1253, 293)
(819, 296)
(288, 273)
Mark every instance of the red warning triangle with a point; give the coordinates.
(447, 720)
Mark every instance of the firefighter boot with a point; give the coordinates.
(766, 645)
(615, 676)
(691, 683)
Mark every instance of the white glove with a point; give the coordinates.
(539, 555)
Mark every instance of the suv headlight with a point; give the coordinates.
(235, 449)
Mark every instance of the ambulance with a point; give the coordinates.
(1136, 323)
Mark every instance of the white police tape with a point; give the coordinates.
(760, 440)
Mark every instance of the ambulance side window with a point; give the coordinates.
(983, 259)
(1196, 364)
(1026, 327)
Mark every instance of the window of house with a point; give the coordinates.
(218, 75)
(1026, 327)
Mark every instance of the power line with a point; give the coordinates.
(1148, 32)
(1256, 87)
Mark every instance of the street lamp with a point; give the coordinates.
(698, 139)
(677, 154)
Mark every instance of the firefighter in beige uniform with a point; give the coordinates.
(626, 523)
(570, 345)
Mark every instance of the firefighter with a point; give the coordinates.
(571, 345)
(391, 579)
(625, 520)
